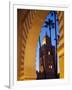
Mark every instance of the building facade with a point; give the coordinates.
(47, 68)
(29, 24)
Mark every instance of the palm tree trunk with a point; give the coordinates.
(56, 41)
(50, 34)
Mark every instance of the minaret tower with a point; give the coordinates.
(47, 59)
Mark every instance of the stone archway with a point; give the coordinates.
(31, 44)
(29, 26)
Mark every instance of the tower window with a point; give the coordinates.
(48, 52)
(44, 57)
(50, 66)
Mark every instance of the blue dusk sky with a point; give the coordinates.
(42, 34)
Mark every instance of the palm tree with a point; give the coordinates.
(49, 23)
(54, 13)
(52, 25)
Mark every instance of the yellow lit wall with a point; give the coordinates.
(61, 43)
(24, 22)
(31, 44)
(27, 42)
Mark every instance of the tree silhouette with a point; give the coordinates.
(49, 23)
(52, 25)
(55, 20)
(54, 14)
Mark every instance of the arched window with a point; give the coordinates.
(49, 29)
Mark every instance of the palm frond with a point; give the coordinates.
(45, 26)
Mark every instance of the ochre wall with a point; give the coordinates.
(24, 22)
(31, 44)
(61, 43)
(28, 34)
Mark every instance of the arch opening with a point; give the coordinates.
(28, 41)
(46, 30)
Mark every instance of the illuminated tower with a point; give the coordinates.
(47, 60)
